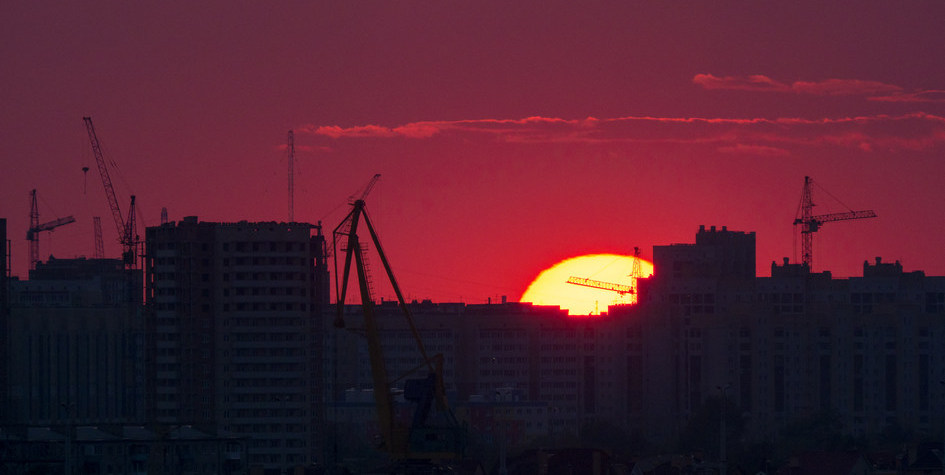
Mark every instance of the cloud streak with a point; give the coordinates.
(931, 95)
(758, 136)
(872, 90)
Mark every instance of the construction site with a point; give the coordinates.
(220, 347)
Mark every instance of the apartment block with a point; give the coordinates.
(76, 355)
(792, 347)
(234, 334)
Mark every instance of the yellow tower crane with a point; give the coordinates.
(621, 289)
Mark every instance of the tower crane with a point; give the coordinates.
(598, 284)
(32, 234)
(621, 289)
(127, 229)
(420, 441)
(99, 243)
(811, 223)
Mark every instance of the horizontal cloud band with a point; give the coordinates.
(761, 136)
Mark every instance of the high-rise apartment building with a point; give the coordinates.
(76, 351)
(793, 347)
(4, 308)
(234, 333)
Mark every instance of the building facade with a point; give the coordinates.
(234, 327)
(4, 312)
(76, 351)
(792, 347)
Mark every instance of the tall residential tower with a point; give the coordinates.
(234, 343)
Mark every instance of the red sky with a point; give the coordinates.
(509, 135)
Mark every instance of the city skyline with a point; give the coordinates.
(508, 137)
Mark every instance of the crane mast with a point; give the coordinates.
(32, 235)
(130, 238)
(811, 223)
(99, 242)
(418, 441)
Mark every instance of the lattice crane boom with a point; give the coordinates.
(599, 284)
(106, 179)
(621, 289)
(127, 232)
(811, 223)
(367, 189)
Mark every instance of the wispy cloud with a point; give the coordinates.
(931, 95)
(751, 83)
(759, 136)
(872, 90)
(361, 131)
(759, 150)
(844, 87)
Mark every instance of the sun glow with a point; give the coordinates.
(551, 287)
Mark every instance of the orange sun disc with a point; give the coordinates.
(596, 282)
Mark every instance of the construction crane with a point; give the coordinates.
(99, 242)
(127, 229)
(290, 148)
(810, 223)
(420, 441)
(366, 190)
(32, 234)
(621, 289)
(598, 284)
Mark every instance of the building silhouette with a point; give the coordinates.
(234, 333)
(794, 347)
(233, 351)
(76, 349)
(4, 312)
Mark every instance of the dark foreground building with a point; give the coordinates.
(795, 348)
(76, 344)
(234, 343)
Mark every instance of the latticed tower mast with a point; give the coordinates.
(810, 223)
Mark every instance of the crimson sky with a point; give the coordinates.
(510, 135)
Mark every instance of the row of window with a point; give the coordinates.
(263, 382)
(260, 306)
(272, 246)
(271, 261)
(262, 276)
(257, 337)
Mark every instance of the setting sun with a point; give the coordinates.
(597, 281)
